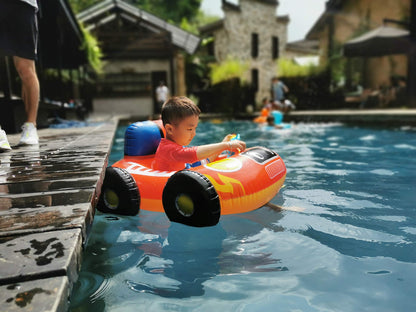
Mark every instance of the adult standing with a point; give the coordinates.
(19, 38)
(162, 94)
(279, 89)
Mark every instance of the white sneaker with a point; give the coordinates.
(29, 135)
(4, 143)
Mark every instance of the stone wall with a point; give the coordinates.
(234, 40)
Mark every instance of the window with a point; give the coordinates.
(211, 47)
(275, 47)
(255, 79)
(254, 45)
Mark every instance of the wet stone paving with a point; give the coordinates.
(47, 198)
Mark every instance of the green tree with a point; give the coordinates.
(94, 53)
(80, 5)
(170, 10)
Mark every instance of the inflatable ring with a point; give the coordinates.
(197, 196)
(119, 193)
(190, 198)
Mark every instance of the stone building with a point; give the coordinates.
(252, 33)
(345, 20)
(140, 49)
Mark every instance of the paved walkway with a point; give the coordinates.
(47, 195)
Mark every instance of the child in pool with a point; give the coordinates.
(271, 123)
(180, 118)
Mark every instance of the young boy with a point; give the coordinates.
(180, 118)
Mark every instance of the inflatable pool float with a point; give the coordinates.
(195, 196)
(278, 119)
(263, 116)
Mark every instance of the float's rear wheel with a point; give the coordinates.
(190, 198)
(119, 193)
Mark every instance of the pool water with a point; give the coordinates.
(351, 248)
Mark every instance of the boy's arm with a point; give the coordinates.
(212, 151)
(227, 138)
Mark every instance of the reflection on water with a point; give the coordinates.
(150, 255)
(33, 177)
(352, 247)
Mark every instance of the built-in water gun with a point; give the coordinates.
(233, 137)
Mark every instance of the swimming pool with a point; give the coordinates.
(352, 248)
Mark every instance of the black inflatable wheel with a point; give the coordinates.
(190, 198)
(119, 193)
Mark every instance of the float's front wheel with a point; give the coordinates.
(119, 193)
(190, 198)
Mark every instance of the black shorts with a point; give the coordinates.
(18, 29)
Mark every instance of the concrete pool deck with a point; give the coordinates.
(47, 198)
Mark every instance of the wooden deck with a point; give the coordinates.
(47, 195)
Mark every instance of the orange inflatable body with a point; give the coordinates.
(243, 182)
(196, 196)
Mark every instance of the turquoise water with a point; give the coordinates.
(352, 248)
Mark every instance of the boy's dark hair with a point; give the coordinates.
(177, 108)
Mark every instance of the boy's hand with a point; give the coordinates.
(236, 146)
(228, 137)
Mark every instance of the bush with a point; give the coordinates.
(289, 68)
(227, 70)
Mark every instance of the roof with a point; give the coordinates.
(230, 6)
(212, 26)
(304, 46)
(313, 33)
(99, 14)
(283, 19)
(218, 24)
(331, 7)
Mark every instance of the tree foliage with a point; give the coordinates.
(170, 10)
(94, 53)
(80, 5)
(288, 68)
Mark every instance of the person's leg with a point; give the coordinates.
(30, 87)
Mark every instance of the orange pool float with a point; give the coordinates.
(264, 113)
(195, 196)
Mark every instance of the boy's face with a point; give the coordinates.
(183, 132)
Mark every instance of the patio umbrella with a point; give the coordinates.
(381, 41)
